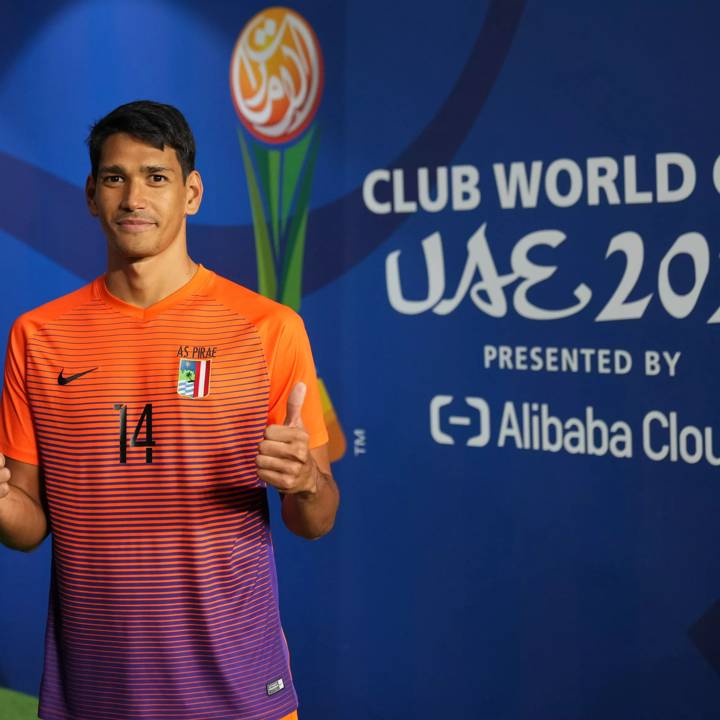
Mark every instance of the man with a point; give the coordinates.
(142, 417)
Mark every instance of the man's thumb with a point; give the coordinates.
(295, 401)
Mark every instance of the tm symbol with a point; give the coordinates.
(360, 445)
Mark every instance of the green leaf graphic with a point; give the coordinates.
(293, 161)
(267, 162)
(292, 267)
(273, 193)
(267, 275)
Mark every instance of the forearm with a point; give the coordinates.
(23, 524)
(312, 514)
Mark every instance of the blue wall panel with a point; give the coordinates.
(493, 579)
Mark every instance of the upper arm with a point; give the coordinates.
(25, 477)
(17, 429)
(290, 362)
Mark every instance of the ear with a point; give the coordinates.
(194, 192)
(90, 195)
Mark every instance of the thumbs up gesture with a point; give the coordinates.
(284, 460)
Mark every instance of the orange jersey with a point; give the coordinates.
(146, 424)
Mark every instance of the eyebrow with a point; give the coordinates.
(149, 169)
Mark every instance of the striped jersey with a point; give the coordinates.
(146, 422)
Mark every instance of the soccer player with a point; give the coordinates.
(142, 418)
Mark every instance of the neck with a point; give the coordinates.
(147, 281)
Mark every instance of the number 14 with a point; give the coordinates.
(145, 419)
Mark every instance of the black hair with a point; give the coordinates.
(152, 123)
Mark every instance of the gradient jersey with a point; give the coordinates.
(146, 423)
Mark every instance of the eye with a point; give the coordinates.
(112, 179)
(158, 178)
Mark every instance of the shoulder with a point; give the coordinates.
(259, 310)
(27, 324)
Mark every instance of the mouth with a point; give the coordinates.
(135, 225)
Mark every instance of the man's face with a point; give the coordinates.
(140, 197)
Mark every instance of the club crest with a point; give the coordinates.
(193, 378)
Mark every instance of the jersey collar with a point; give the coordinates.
(199, 281)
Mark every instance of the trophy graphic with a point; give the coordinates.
(276, 82)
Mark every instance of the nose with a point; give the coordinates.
(133, 197)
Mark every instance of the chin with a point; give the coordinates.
(134, 251)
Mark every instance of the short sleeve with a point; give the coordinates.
(17, 431)
(292, 362)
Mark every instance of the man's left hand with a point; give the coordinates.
(284, 460)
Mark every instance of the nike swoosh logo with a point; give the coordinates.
(66, 380)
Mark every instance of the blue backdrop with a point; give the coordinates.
(510, 281)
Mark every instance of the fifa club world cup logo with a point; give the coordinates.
(276, 81)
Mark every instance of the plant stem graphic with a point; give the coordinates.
(279, 185)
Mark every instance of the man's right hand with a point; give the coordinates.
(4, 478)
(23, 524)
